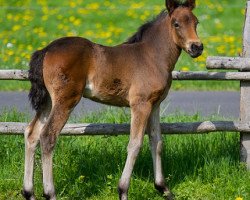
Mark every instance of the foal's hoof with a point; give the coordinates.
(28, 195)
(168, 195)
(123, 194)
(49, 197)
(165, 191)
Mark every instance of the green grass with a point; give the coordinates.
(29, 25)
(198, 167)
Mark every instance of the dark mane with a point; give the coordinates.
(137, 37)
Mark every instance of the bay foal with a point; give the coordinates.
(136, 74)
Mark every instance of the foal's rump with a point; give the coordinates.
(62, 65)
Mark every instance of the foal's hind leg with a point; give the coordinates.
(140, 114)
(155, 140)
(32, 134)
(62, 106)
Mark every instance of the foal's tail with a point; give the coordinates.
(38, 94)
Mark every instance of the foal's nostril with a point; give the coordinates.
(201, 47)
(196, 48)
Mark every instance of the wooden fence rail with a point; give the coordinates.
(22, 75)
(236, 63)
(16, 128)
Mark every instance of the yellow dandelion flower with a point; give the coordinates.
(13, 41)
(60, 26)
(42, 34)
(44, 17)
(220, 8)
(89, 33)
(221, 49)
(109, 41)
(201, 58)
(77, 22)
(27, 18)
(143, 17)
(10, 52)
(16, 27)
(16, 18)
(17, 60)
(27, 56)
(45, 10)
(72, 18)
(105, 34)
(130, 13)
(5, 58)
(82, 11)
(44, 43)
(229, 39)
(9, 16)
(185, 69)
(71, 33)
(29, 47)
(239, 198)
(72, 4)
(232, 52)
(137, 5)
(243, 11)
(93, 6)
(5, 41)
(202, 65)
(214, 39)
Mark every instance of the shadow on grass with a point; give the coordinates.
(86, 166)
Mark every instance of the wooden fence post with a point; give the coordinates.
(245, 93)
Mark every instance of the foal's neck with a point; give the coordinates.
(161, 45)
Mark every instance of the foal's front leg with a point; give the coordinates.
(139, 118)
(155, 140)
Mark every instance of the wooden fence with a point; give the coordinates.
(243, 125)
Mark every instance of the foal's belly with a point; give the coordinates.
(106, 95)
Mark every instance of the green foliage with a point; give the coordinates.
(30, 25)
(197, 167)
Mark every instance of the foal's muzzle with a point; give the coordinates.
(195, 50)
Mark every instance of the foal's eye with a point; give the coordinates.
(176, 25)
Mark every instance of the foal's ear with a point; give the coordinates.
(171, 5)
(190, 4)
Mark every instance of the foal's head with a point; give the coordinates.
(183, 26)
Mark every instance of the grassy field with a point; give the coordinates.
(197, 167)
(29, 25)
